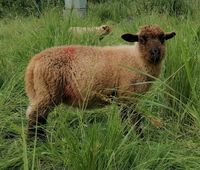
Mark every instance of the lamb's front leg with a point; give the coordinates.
(135, 118)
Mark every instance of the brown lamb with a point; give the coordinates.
(87, 75)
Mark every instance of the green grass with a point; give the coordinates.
(94, 139)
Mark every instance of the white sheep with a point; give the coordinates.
(78, 75)
(101, 31)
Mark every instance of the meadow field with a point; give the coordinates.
(81, 139)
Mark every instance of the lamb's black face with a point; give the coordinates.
(153, 48)
(151, 41)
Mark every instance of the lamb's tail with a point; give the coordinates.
(29, 82)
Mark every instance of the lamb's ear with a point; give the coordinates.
(130, 37)
(169, 35)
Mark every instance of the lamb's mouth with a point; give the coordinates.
(155, 56)
(155, 59)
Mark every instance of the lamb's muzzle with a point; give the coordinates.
(155, 55)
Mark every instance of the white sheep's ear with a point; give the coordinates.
(169, 35)
(130, 37)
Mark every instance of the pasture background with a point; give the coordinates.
(94, 139)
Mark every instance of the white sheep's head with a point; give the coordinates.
(105, 29)
(151, 40)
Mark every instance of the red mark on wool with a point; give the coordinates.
(69, 50)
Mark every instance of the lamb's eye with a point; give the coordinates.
(162, 39)
(143, 39)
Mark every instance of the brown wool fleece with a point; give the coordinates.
(85, 74)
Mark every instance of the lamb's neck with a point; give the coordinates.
(153, 70)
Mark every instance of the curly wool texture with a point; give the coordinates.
(74, 73)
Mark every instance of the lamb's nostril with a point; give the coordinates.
(155, 51)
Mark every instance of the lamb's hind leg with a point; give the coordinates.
(37, 114)
(47, 88)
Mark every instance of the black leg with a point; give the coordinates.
(135, 118)
(37, 124)
(124, 113)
